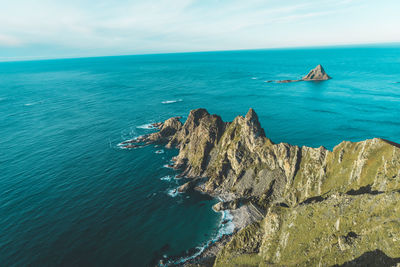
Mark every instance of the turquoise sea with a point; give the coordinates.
(70, 196)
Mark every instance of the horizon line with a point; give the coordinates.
(33, 58)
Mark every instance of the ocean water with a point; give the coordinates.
(69, 195)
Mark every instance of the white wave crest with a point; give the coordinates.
(171, 101)
(147, 126)
(168, 166)
(173, 192)
(228, 227)
(166, 178)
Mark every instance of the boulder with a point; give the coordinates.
(227, 205)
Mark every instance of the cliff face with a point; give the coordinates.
(328, 207)
(341, 229)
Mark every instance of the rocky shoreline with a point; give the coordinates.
(208, 256)
(291, 205)
(242, 215)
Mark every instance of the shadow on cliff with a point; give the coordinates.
(392, 143)
(364, 190)
(372, 258)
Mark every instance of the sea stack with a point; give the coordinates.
(317, 74)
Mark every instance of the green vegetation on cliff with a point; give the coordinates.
(333, 231)
(323, 208)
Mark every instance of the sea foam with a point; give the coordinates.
(173, 192)
(228, 227)
(166, 178)
(147, 126)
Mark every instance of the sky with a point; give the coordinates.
(35, 29)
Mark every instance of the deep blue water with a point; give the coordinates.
(70, 196)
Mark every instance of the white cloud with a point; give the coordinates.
(8, 40)
(128, 26)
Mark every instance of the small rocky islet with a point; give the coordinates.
(311, 206)
(316, 74)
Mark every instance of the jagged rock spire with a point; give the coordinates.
(195, 115)
(252, 117)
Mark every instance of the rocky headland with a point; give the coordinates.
(308, 206)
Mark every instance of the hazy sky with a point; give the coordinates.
(73, 28)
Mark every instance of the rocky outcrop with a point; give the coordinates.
(317, 74)
(227, 205)
(322, 207)
(198, 136)
(288, 81)
(189, 185)
(166, 129)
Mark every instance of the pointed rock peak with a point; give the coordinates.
(172, 122)
(195, 116)
(198, 113)
(319, 68)
(252, 115)
(317, 74)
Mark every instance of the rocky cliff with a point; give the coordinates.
(322, 207)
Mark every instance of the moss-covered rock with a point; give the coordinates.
(333, 231)
(243, 248)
